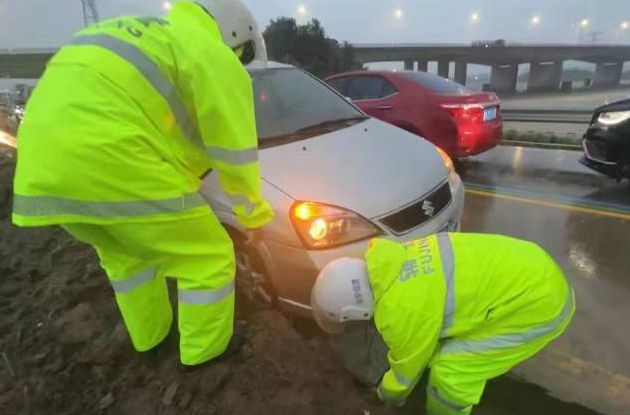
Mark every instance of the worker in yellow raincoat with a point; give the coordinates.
(119, 132)
(468, 307)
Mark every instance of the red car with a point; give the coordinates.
(452, 117)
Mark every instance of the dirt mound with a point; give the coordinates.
(65, 351)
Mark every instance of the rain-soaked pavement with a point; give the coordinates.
(583, 220)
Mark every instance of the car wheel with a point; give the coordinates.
(252, 280)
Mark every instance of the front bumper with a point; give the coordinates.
(601, 150)
(611, 170)
(294, 270)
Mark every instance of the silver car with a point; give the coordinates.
(335, 178)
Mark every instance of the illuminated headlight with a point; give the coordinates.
(448, 163)
(324, 226)
(613, 118)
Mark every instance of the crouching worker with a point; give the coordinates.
(468, 307)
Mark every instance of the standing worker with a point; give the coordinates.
(121, 128)
(467, 306)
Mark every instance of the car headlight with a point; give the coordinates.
(324, 226)
(613, 117)
(448, 163)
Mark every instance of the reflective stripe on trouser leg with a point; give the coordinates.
(440, 405)
(141, 294)
(145, 307)
(460, 369)
(206, 319)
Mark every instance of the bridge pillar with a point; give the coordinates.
(461, 72)
(423, 65)
(607, 74)
(408, 65)
(503, 78)
(545, 76)
(443, 67)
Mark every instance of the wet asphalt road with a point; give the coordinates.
(583, 220)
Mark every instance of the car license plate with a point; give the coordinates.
(489, 114)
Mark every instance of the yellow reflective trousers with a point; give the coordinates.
(197, 252)
(469, 307)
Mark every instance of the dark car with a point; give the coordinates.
(607, 141)
(460, 121)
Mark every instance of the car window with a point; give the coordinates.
(289, 100)
(388, 88)
(369, 87)
(340, 84)
(437, 84)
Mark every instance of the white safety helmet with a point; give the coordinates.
(342, 293)
(238, 28)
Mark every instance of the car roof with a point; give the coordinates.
(258, 65)
(380, 72)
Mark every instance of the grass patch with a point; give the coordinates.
(544, 139)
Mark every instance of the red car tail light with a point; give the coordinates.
(465, 112)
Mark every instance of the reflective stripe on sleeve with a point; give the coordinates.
(125, 286)
(237, 157)
(56, 206)
(448, 270)
(403, 380)
(435, 394)
(205, 297)
(510, 340)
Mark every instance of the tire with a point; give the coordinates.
(253, 284)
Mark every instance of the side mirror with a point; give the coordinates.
(348, 99)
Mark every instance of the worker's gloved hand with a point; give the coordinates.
(254, 216)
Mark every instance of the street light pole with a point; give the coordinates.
(584, 24)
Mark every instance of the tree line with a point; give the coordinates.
(308, 47)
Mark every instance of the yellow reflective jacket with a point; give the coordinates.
(128, 117)
(455, 285)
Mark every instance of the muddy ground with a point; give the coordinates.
(64, 349)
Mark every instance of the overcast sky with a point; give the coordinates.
(44, 23)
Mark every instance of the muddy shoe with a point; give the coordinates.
(235, 346)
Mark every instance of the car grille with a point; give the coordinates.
(596, 150)
(419, 211)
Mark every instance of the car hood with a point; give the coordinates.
(370, 168)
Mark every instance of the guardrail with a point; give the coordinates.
(547, 116)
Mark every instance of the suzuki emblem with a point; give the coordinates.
(428, 208)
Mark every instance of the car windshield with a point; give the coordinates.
(437, 84)
(292, 105)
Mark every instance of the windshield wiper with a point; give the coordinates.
(330, 123)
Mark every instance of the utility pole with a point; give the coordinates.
(90, 12)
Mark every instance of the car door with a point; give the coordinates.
(374, 94)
